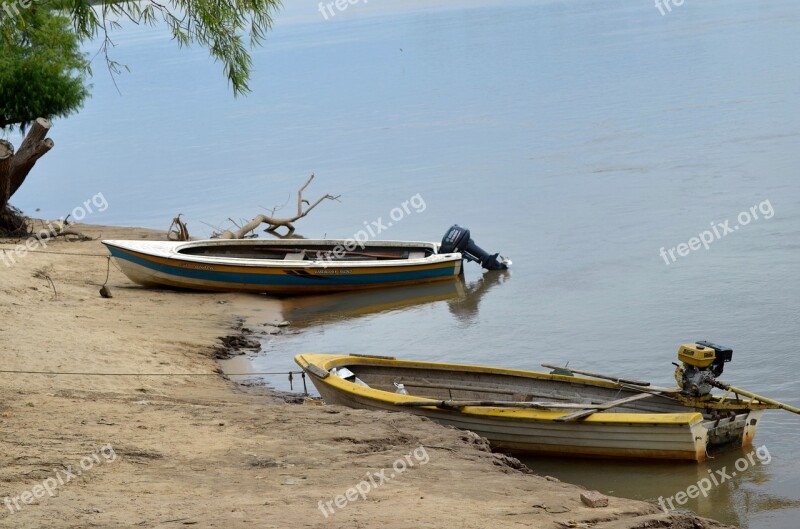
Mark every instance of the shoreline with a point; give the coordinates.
(199, 449)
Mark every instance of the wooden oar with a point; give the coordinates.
(393, 255)
(584, 410)
(765, 400)
(658, 390)
(597, 375)
(401, 255)
(614, 403)
(495, 404)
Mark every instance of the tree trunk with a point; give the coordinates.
(14, 168)
(6, 157)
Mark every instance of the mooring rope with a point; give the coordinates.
(86, 373)
(80, 373)
(9, 249)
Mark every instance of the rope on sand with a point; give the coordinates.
(82, 373)
(10, 248)
(79, 373)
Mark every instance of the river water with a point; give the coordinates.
(576, 137)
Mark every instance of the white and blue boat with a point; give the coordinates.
(295, 266)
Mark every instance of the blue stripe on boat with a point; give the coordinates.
(284, 279)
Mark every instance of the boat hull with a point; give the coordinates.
(171, 269)
(677, 435)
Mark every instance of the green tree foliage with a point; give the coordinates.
(227, 28)
(43, 72)
(42, 68)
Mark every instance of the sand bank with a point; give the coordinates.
(177, 450)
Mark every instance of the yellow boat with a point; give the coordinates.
(541, 413)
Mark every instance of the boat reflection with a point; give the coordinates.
(465, 308)
(316, 321)
(463, 300)
(311, 310)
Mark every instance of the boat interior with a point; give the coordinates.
(444, 384)
(301, 252)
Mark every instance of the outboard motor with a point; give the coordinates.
(457, 240)
(702, 363)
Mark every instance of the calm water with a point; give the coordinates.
(577, 137)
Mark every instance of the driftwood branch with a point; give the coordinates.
(178, 231)
(68, 234)
(72, 235)
(62, 230)
(274, 223)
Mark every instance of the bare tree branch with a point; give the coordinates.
(274, 223)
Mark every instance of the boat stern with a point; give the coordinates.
(738, 430)
(751, 424)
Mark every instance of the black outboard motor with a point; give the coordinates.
(457, 240)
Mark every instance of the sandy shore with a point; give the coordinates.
(172, 451)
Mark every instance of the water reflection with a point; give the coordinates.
(465, 308)
(463, 300)
(740, 491)
(331, 321)
(328, 308)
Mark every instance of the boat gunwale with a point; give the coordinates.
(172, 254)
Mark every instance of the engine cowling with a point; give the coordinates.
(457, 239)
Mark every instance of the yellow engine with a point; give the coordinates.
(696, 355)
(701, 363)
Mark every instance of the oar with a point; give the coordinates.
(765, 400)
(584, 410)
(495, 404)
(596, 375)
(397, 255)
(656, 390)
(613, 404)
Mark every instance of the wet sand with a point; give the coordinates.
(167, 449)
